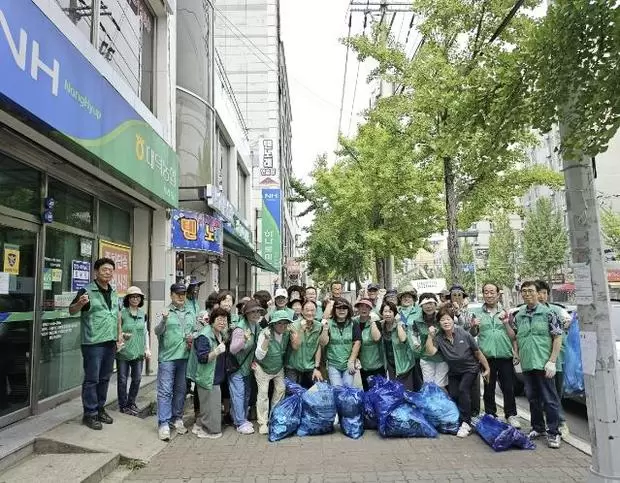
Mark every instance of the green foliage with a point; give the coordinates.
(545, 241)
(467, 279)
(571, 62)
(502, 252)
(610, 226)
(461, 109)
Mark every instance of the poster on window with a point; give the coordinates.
(121, 255)
(11, 259)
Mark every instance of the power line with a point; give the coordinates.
(344, 79)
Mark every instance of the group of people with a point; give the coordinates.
(234, 361)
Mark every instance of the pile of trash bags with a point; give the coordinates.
(386, 407)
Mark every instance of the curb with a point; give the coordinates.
(569, 439)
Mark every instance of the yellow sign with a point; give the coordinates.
(11, 259)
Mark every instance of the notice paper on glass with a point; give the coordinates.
(4, 283)
(588, 344)
(583, 284)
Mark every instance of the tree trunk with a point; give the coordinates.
(451, 219)
(380, 265)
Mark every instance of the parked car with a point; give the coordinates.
(615, 322)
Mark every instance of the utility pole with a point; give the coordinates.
(603, 398)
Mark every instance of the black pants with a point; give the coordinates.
(460, 388)
(304, 379)
(502, 372)
(475, 397)
(544, 402)
(405, 379)
(366, 374)
(418, 380)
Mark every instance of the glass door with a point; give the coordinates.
(18, 262)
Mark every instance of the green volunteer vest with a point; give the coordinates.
(533, 338)
(340, 345)
(409, 314)
(422, 329)
(273, 362)
(172, 343)
(371, 352)
(302, 359)
(242, 356)
(99, 323)
(404, 358)
(204, 373)
(136, 326)
(493, 338)
(559, 363)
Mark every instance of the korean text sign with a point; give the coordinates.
(195, 231)
(121, 255)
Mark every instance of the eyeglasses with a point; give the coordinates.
(340, 307)
(528, 291)
(135, 296)
(457, 294)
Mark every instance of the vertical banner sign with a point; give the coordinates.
(268, 163)
(121, 255)
(11, 259)
(271, 221)
(80, 274)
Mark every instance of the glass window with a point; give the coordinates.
(79, 12)
(73, 207)
(242, 187)
(20, 186)
(66, 269)
(114, 223)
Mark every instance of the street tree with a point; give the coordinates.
(461, 106)
(610, 226)
(502, 252)
(545, 241)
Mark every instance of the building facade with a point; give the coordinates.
(87, 169)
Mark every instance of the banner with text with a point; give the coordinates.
(121, 255)
(271, 220)
(193, 231)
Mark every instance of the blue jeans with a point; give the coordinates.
(340, 378)
(171, 389)
(544, 402)
(240, 390)
(123, 368)
(98, 361)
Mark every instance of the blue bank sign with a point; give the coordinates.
(45, 74)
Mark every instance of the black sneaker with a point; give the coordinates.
(104, 417)
(92, 422)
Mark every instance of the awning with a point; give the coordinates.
(236, 244)
(564, 287)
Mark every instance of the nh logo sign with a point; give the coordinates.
(20, 55)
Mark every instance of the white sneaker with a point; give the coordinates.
(464, 430)
(263, 430)
(246, 428)
(164, 433)
(514, 422)
(535, 434)
(196, 428)
(179, 426)
(213, 435)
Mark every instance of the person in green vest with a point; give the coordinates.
(312, 295)
(97, 304)
(464, 358)
(408, 312)
(371, 350)
(270, 352)
(135, 348)
(191, 299)
(398, 346)
(344, 342)
(308, 336)
(244, 337)
(174, 336)
(539, 340)
(207, 368)
(565, 319)
(226, 301)
(490, 323)
(294, 305)
(434, 368)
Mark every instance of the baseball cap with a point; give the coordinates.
(458, 288)
(373, 286)
(392, 292)
(366, 302)
(194, 281)
(242, 302)
(281, 292)
(178, 288)
(251, 306)
(280, 316)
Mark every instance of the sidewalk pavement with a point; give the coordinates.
(335, 458)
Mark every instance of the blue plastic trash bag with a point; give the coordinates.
(573, 369)
(436, 406)
(501, 436)
(293, 387)
(405, 421)
(318, 410)
(285, 418)
(370, 416)
(350, 406)
(385, 397)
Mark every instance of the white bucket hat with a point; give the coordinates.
(133, 290)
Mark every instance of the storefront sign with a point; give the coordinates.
(80, 274)
(194, 231)
(268, 163)
(11, 257)
(433, 285)
(236, 224)
(121, 255)
(271, 220)
(44, 73)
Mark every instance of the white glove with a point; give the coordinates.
(550, 370)
(267, 333)
(220, 349)
(351, 367)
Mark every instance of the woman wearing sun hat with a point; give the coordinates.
(371, 351)
(343, 344)
(129, 359)
(434, 368)
(269, 366)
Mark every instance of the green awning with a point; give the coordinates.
(236, 244)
